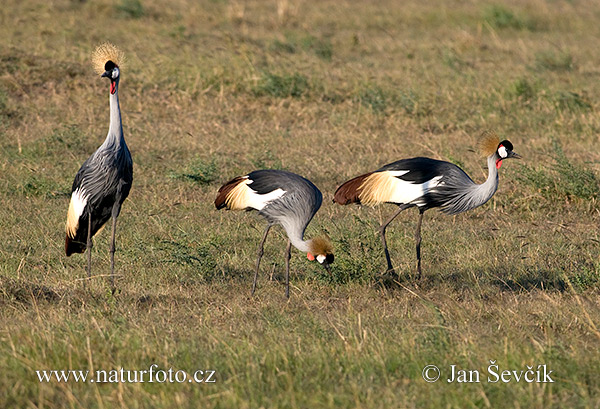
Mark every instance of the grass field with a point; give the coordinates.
(327, 89)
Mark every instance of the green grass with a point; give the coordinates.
(130, 9)
(281, 86)
(215, 89)
(554, 61)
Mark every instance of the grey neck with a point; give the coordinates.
(295, 232)
(115, 131)
(483, 193)
(300, 244)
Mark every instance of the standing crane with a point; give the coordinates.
(426, 183)
(104, 180)
(281, 198)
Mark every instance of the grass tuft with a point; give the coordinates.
(554, 61)
(524, 90)
(329, 90)
(132, 9)
(266, 160)
(501, 17)
(374, 97)
(572, 102)
(183, 253)
(563, 179)
(198, 170)
(321, 47)
(281, 86)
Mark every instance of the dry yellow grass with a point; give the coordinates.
(328, 90)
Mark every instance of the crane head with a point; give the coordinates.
(111, 72)
(505, 151)
(106, 59)
(320, 249)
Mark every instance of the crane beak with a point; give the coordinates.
(106, 74)
(327, 267)
(513, 155)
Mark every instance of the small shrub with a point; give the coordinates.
(40, 185)
(554, 61)
(321, 47)
(5, 111)
(198, 171)
(501, 17)
(451, 59)
(3, 103)
(66, 138)
(565, 179)
(524, 90)
(130, 9)
(283, 47)
(266, 160)
(282, 86)
(358, 257)
(586, 276)
(374, 98)
(379, 100)
(409, 101)
(196, 255)
(571, 101)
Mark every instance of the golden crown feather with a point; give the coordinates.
(489, 143)
(321, 245)
(105, 52)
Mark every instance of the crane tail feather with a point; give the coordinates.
(349, 192)
(229, 192)
(73, 227)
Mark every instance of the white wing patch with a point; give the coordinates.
(76, 207)
(397, 173)
(385, 186)
(258, 201)
(243, 196)
(408, 192)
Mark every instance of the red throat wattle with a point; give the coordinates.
(310, 256)
(113, 87)
(498, 163)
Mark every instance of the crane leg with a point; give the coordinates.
(382, 228)
(418, 242)
(288, 255)
(89, 246)
(260, 254)
(112, 254)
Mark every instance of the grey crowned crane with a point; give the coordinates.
(104, 180)
(281, 198)
(426, 183)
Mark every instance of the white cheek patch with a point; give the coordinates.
(321, 258)
(502, 152)
(115, 73)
